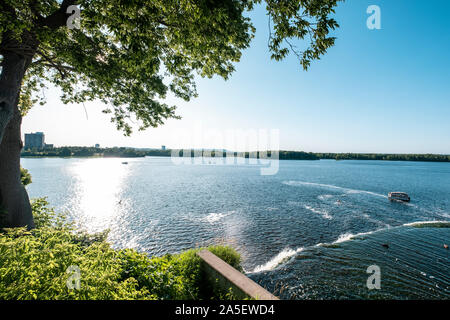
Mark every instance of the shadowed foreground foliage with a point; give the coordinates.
(33, 265)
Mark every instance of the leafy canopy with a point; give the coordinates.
(130, 53)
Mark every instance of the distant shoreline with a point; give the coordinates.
(91, 152)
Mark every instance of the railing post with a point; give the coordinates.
(221, 276)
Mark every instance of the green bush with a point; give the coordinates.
(34, 264)
(25, 176)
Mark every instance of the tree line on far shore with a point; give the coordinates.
(385, 156)
(124, 152)
(65, 152)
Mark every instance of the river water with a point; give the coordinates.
(310, 231)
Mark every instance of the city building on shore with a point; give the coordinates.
(35, 140)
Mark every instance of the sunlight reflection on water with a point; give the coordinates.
(97, 191)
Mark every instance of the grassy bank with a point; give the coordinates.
(37, 265)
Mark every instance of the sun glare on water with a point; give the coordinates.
(99, 185)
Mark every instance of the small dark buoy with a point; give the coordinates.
(446, 246)
(385, 245)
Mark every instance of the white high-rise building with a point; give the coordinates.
(35, 140)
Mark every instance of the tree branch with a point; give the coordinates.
(61, 69)
(35, 11)
(59, 17)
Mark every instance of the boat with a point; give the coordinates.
(124, 162)
(399, 196)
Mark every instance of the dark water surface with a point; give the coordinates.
(308, 232)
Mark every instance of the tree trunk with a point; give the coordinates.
(13, 196)
(15, 209)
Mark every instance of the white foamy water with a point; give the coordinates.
(214, 217)
(420, 223)
(325, 214)
(349, 236)
(324, 196)
(284, 255)
(330, 186)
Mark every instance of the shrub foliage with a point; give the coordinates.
(34, 265)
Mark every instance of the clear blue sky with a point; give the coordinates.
(375, 91)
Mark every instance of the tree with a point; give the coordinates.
(65, 152)
(129, 55)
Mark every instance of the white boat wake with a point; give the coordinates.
(287, 253)
(330, 186)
